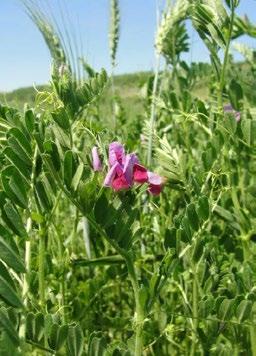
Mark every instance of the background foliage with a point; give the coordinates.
(88, 271)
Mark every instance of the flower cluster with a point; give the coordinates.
(125, 170)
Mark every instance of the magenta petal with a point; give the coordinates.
(96, 163)
(120, 183)
(140, 174)
(154, 189)
(154, 178)
(111, 175)
(130, 161)
(116, 153)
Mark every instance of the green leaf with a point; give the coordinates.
(22, 140)
(30, 121)
(14, 220)
(248, 127)
(235, 94)
(10, 257)
(14, 186)
(198, 249)
(243, 311)
(69, 167)
(75, 341)
(230, 123)
(41, 194)
(8, 294)
(61, 118)
(77, 177)
(39, 326)
(19, 151)
(192, 216)
(15, 160)
(61, 136)
(52, 150)
(8, 326)
(226, 309)
(170, 238)
(97, 344)
(185, 225)
(203, 209)
(6, 275)
(58, 336)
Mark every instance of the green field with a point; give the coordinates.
(128, 202)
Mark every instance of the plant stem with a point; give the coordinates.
(41, 261)
(139, 307)
(86, 236)
(225, 61)
(195, 312)
(25, 287)
(253, 339)
(252, 328)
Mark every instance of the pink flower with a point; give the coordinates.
(116, 153)
(140, 174)
(155, 183)
(96, 162)
(125, 170)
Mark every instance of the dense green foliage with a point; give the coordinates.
(85, 270)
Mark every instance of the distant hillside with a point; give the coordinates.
(127, 86)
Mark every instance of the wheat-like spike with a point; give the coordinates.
(48, 32)
(172, 15)
(114, 31)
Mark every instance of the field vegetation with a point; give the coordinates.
(127, 203)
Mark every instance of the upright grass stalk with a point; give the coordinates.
(252, 327)
(139, 307)
(41, 262)
(114, 33)
(194, 311)
(154, 95)
(225, 61)
(153, 111)
(25, 287)
(86, 236)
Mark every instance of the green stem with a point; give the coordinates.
(113, 92)
(252, 328)
(25, 287)
(41, 261)
(253, 339)
(225, 61)
(195, 312)
(139, 307)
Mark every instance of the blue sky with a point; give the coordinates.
(25, 58)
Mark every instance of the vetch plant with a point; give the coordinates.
(89, 263)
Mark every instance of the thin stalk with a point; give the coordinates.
(139, 307)
(25, 287)
(61, 262)
(113, 91)
(252, 327)
(41, 262)
(86, 236)
(225, 61)
(195, 312)
(253, 339)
